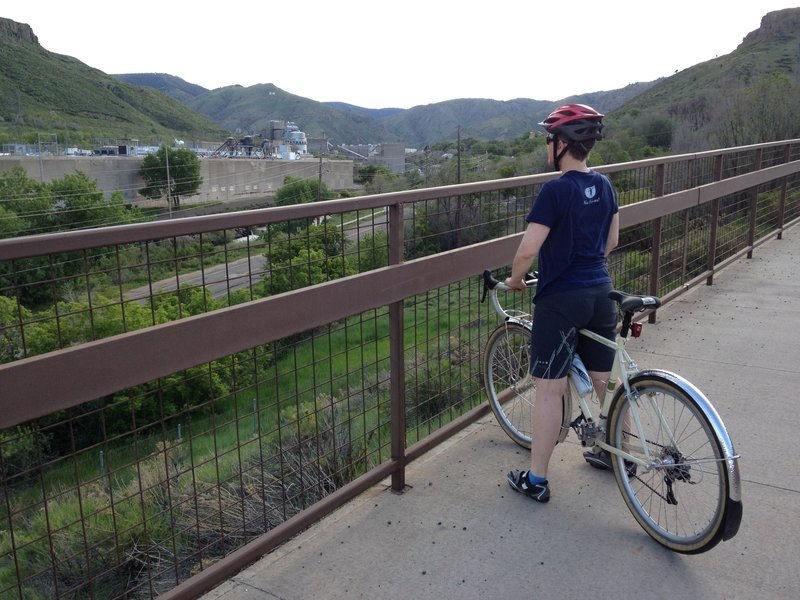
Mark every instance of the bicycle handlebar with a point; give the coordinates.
(490, 283)
(628, 303)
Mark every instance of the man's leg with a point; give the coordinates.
(600, 381)
(547, 414)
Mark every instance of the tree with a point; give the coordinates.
(367, 173)
(77, 203)
(28, 207)
(373, 252)
(72, 202)
(310, 256)
(11, 225)
(773, 109)
(656, 130)
(301, 191)
(448, 223)
(24, 204)
(181, 179)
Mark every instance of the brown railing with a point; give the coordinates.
(178, 398)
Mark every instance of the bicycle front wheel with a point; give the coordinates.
(509, 385)
(679, 497)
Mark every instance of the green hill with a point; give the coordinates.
(773, 48)
(750, 95)
(250, 109)
(46, 93)
(693, 100)
(181, 90)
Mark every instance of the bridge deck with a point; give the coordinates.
(458, 531)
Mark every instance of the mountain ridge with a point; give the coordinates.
(44, 91)
(249, 110)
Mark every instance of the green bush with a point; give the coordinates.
(101, 540)
(20, 450)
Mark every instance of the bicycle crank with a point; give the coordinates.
(587, 431)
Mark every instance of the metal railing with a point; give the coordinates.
(178, 398)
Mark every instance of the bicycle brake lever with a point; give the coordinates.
(487, 283)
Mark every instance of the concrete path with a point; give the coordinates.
(460, 532)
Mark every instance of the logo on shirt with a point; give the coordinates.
(591, 195)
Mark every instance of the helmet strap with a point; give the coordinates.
(557, 157)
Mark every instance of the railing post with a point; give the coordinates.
(397, 357)
(685, 251)
(782, 201)
(686, 220)
(712, 238)
(751, 233)
(655, 253)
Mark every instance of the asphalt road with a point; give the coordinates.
(220, 279)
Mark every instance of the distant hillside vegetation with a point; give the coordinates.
(42, 92)
(747, 96)
(181, 90)
(46, 93)
(249, 109)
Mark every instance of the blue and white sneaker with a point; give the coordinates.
(518, 480)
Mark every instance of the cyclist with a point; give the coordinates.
(572, 227)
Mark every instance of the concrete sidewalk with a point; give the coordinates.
(460, 532)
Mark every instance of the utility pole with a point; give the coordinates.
(39, 153)
(169, 190)
(319, 181)
(458, 152)
(458, 198)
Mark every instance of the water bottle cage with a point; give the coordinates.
(580, 376)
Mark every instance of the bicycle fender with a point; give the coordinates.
(521, 322)
(731, 462)
(733, 518)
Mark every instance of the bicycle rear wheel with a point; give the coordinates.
(509, 385)
(680, 499)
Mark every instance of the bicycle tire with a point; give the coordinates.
(509, 385)
(681, 500)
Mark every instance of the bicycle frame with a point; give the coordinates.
(623, 369)
(663, 428)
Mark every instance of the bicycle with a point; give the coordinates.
(671, 455)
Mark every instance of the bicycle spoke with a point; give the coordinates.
(508, 383)
(678, 495)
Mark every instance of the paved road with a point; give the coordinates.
(459, 532)
(220, 279)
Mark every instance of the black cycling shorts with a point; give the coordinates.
(556, 321)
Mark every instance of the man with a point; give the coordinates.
(572, 227)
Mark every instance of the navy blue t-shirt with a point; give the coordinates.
(578, 209)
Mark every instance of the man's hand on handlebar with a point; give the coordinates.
(518, 285)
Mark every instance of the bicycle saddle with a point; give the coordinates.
(634, 302)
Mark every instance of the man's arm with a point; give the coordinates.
(527, 252)
(613, 234)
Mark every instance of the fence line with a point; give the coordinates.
(228, 410)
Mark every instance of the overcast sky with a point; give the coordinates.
(379, 54)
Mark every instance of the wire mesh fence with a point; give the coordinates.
(130, 493)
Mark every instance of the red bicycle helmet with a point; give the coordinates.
(575, 122)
